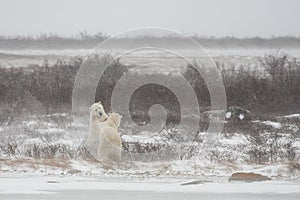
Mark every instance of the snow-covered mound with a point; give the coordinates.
(293, 116)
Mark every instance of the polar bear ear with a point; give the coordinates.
(99, 102)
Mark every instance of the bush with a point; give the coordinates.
(275, 91)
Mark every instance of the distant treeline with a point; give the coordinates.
(84, 40)
(276, 90)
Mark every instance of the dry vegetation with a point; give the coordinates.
(48, 89)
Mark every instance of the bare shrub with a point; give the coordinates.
(271, 148)
(276, 91)
(284, 73)
(7, 112)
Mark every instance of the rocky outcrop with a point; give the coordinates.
(248, 177)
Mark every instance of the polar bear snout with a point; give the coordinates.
(103, 116)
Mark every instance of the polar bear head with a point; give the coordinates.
(114, 120)
(97, 111)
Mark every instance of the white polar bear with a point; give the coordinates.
(97, 117)
(110, 143)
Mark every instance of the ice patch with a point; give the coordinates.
(30, 124)
(235, 140)
(65, 142)
(50, 130)
(273, 124)
(296, 144)
(39, 185)
(33, 141)
(293, 116)
(154, 138)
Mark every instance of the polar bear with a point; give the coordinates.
(110, 143)
(97, 117)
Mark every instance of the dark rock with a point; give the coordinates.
(196, 182)
(73, 171)
(52, 182)
(248, 177)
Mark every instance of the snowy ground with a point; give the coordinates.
(49, 187)
(50, 145)
(39, 159)
(31, 57)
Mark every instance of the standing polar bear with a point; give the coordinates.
(104, 139)
(97, 117)
(110, 143)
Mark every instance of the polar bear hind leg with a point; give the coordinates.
(110, 144)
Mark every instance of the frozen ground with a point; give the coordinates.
(76, 187)
(52, 145)
(29, 57)
(38, 160)
(213, 52)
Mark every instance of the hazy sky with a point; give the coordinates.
(205, 17)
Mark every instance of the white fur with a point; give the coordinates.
(110, 145)
(95, 123)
